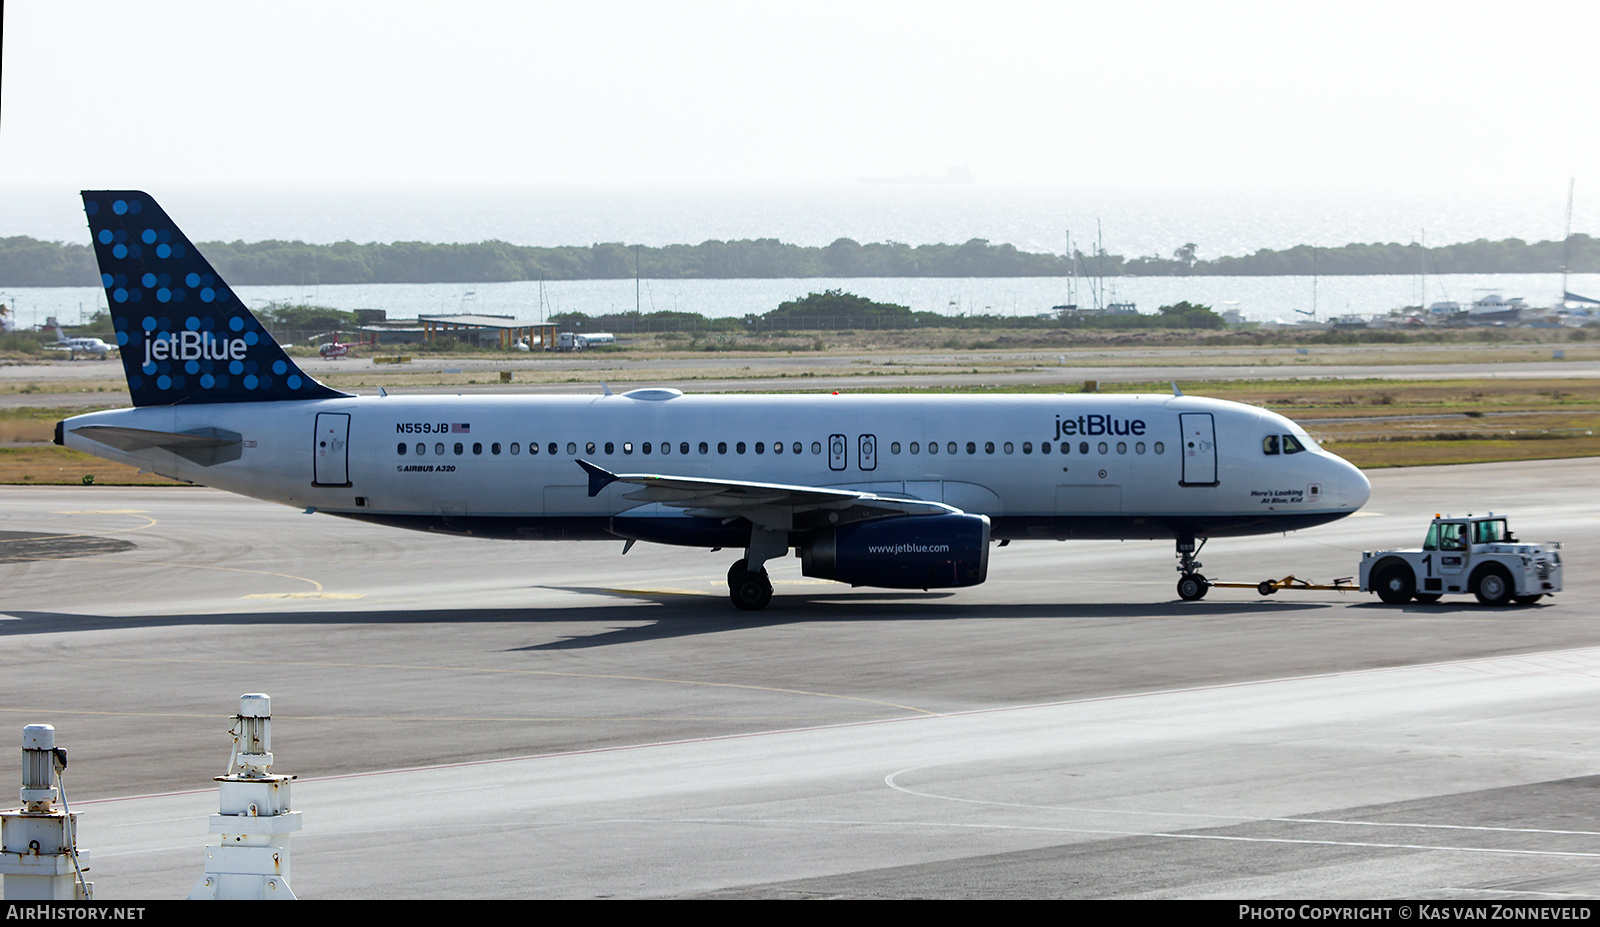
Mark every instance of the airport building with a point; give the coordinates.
(502, 331)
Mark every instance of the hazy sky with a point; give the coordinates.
(1386, 94)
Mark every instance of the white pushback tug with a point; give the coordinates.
(1471, 554)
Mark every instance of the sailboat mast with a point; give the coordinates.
(1422, 270)
(1566, 242)
(1099, 268)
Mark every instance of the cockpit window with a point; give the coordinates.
(1292, 445)
(1269, 445)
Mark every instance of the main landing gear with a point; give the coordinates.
(750, 590)
(1192, 586)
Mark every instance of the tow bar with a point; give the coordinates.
(1271, 586)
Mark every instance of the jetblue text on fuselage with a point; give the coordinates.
(1098, 425)
(192, 345)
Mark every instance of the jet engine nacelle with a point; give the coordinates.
(914, 552)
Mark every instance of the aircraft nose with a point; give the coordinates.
(1357, 488)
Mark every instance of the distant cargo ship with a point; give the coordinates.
(958, 174)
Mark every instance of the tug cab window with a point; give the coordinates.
(1450, 535)
(1490, 532)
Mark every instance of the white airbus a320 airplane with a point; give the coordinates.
(874, 490)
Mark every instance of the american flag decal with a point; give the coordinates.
(457, 428)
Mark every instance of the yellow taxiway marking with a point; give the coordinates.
(305, 595)
(199, 566)
(139, 512)
(721, 583)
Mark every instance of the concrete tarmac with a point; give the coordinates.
(480, 719)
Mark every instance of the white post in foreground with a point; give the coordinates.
(41, 861)
(255, 822)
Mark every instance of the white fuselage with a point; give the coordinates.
(1075, 465)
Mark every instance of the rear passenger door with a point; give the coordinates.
(1199, 449)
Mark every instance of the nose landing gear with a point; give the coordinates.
(1192, 586)
(750, 590)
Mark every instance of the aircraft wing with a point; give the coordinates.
(773, 506)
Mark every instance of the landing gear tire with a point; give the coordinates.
(1192, 587)
(734, 571)
(1396, 584)
(1492, 586)
(749, 591)
(1526, 599)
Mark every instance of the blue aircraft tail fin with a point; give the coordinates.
(184, 335)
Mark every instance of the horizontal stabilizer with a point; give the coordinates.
(204, 446)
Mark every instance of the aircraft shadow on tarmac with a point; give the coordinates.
(679, 615)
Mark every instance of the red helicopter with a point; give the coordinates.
(337, 348)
